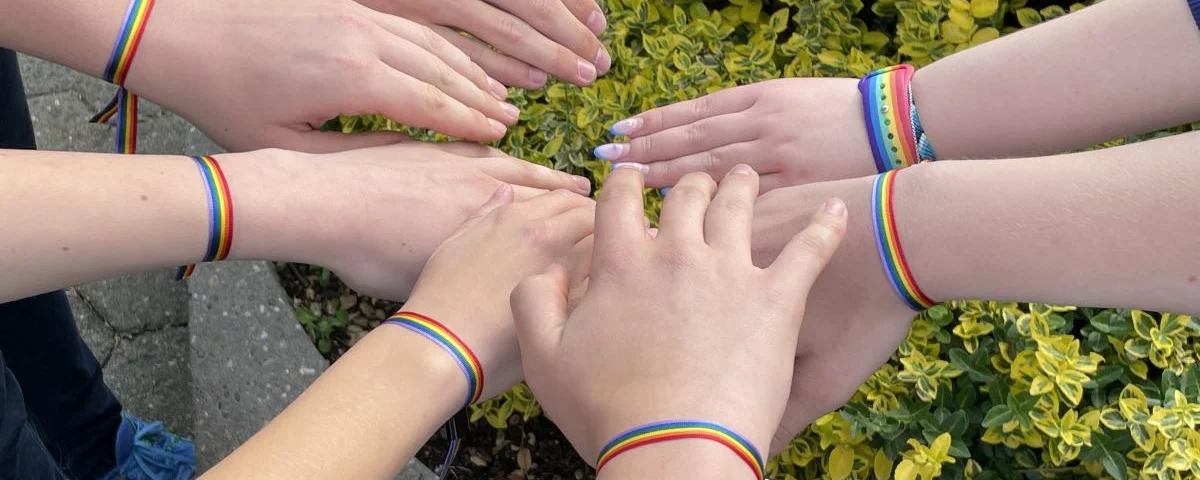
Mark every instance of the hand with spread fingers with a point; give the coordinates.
(792, 131)
(517, 41)
(674, 326)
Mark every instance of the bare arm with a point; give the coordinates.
(1119, 67)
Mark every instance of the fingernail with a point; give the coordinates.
(511, 110)
(664, 191)
(636, 166)
(653, 232)
(741, 169)
(498, 89)
(587, 72)
(611, 151)
(596, 22)
(835, 207)
(537, 78)
(584, 184)
(625, 127)
(497, 126)
(603, 60)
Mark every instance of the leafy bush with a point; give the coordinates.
(978, 390)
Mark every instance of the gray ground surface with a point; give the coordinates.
(214, 358)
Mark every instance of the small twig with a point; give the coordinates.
(303, 278)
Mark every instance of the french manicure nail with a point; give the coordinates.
(603, 60)
(587, 71)
(511, 110)
(835, 207)
(636, 166)
(611, 151)
(584, 184)
(625, 127)
(664, 191)
(596, 22)
(741, 169)
(537, 78)
(498, 89)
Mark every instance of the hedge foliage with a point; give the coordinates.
(979, 390)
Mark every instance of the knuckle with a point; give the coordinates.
(538, 232)
(642, 145)
(680, 257)
(701, 106)
(431, 41)
(815, 240)
(444, 74)
(353, 65)
(541, 8)
(732, 204)
(433, 99)
(354, 21)
(690, 193)
(616, 260)
(696, 133)
(510, 29)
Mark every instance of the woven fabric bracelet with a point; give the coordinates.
(1194, 5)
(925, 151)
(220, 208)
(124, 103)
(891, 254)
(888, 112)
(681, 429)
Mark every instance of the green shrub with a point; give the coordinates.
(979, 390)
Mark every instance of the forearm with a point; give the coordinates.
(1117, 68)
(76, 33)
(74, 217)
(1114, 227)
(363, 418)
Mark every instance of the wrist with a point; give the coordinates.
(275, 217)
(686, 458)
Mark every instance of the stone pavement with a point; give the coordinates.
(214, 358)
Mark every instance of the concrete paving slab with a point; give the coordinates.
(150, 374)
(136, 303)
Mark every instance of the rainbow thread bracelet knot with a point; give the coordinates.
(125, 104)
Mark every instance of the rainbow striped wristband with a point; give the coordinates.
(887, 239)
(124, 103)
(682, 429)
(220, 208)
(439, 334)
(893, 126)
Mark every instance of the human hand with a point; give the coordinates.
(467, 282)
(532, 37)
(374, 216)
(853, 321)
(269, 74)
(792, 131)
(639, 346)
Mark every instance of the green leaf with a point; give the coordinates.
(997, 416)
(1114, 464)
(751, 10)
(939, 315)
(324, 345)
(1105, 376)
(1028, 17)
(841, 462)
(779, 20)
(984, 8)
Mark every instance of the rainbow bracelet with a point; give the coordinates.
(681, 429)
(891, 254)
(220, 208)
(124, 103)
(893, 126)
(439, 334)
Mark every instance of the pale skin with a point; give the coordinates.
(1119, 67)
(374, 216)
(1111, 227)
(267, 74)
(518, 41)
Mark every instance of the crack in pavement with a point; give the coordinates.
(87, 303)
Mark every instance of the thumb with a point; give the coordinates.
(806, 255)
(539, 305)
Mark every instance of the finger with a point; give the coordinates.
(422, 65)
(539, 306)
(588, 12)
(412, 102)
(728, 223)
(559, 24)
(506, 70)
(316, 141)
(470, 150)
(516, 38)
(682, 216)
(427, 39)
(579, 263)
(553, 203)
(526, 174)
(620, 211)
(803, 258)
(700, 136)
(502, 196)
(715, 162)
(724, 102)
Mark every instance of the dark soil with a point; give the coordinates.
(486, 453)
